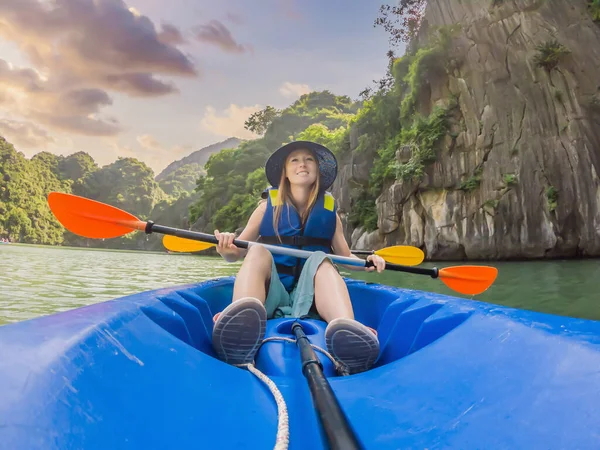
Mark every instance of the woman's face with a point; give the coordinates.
(301, 168)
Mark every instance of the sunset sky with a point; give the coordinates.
(158, 79)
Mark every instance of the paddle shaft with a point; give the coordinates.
(337, 428)
(151, 227)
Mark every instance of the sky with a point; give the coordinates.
(159, 79)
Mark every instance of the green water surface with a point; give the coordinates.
(40, 280)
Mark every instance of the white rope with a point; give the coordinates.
(282, 439)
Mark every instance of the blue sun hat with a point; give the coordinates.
(326, 159)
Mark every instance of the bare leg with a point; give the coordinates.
(240, 328)
(331, 294)
(351, 343)
(254, 276)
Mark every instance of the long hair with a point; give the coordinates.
(283, 197)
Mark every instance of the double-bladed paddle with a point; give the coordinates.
(93, 219)
(397, 254)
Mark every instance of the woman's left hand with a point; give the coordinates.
(378, 261)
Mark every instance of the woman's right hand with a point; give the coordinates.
(225, 247)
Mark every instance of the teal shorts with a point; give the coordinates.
(297, 303)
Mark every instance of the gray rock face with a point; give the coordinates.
(528, 139)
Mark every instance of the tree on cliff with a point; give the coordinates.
(259, 121)
(401, 21)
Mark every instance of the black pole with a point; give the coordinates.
(151, 227)
(337, 428)
(433, 273)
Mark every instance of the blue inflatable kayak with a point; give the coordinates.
(139, 372)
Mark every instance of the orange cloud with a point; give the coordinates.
(23, 92)
(157, 155)
(25, 134)
(79, 51)
(90, 40)
(230, 122)
(288, 89)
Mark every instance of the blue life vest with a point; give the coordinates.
(316, 236)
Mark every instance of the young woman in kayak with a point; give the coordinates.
(298, 213)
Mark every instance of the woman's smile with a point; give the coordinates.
(302, 165)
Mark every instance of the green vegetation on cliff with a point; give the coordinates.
(594, 7)
(127, 183)
(181, 180)
(24, 212)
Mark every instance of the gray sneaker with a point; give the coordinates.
(352, 344)
(239, 330)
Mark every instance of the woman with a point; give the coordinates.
(298, 213)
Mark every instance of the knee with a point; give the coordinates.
(258, 252)
(326, 269)
(259, 256)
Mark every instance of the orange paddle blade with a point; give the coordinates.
(469, 280)
(178, 244)
(92, 219)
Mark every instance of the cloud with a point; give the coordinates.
(231, 122)
(27, 79)
(24, 93)
(148, 149)
(149, 142)
(288, 89)
(138, 85)
(89, 126)
(81, 50)
(83, 101)
(121, 149)
(171, 35)
(155, 154)
(215, 33)
(25, 134)
(87, 38)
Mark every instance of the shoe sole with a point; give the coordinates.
(352, 344)
(239, 331)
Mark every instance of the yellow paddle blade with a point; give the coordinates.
(177, 244)
(404, 255)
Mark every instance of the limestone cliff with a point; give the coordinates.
(517, 174)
